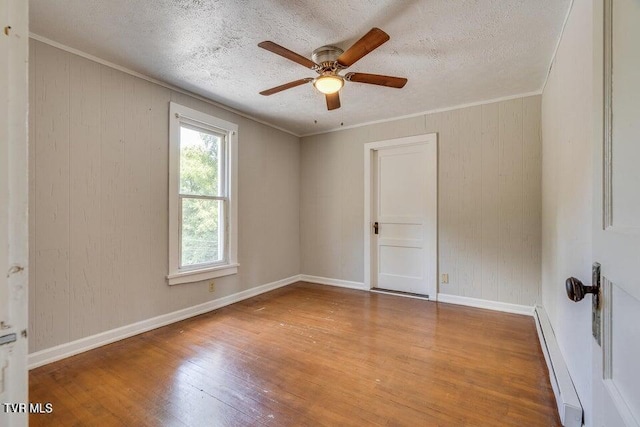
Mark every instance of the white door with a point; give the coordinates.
(14, 37)
(405, 218)
(616, 375)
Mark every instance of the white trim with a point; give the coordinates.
(62, 351)
(368, 160)
(178, 114)
(369, 148)
(14, 205)
(487, 304)
(434, 111)
(555, 51)
(152, 80)
(569, 406)
(401, 142)
(607, 117)
(333, 282)
(607, 355)
(443, 298)
(190, 276)
(109, 64)
(620, 403)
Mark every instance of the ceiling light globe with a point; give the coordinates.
(328, 84)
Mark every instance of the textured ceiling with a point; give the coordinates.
(452, 52)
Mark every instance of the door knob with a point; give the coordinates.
(576, 290)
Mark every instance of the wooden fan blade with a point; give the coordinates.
(285, 86)
(369, 42)
(333, 100)
(377, 79)
(286, 53)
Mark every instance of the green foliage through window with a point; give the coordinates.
(202, 218)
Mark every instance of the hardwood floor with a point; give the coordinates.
(310, 355)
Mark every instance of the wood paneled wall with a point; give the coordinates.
(99, 195)
(99, 200)
(489, 199)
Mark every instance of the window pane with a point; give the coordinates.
(200, 154)
(202, 231)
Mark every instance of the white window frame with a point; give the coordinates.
(179, 114)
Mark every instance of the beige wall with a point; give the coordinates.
(567, 138)
(489, 199)
(99, 200)
(99, 194)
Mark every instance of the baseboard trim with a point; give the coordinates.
(333, 282)
(72, 348)
(487, 304)
(569, 406)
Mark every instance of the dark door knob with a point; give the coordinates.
(576, 290)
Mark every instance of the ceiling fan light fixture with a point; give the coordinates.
(328, 84)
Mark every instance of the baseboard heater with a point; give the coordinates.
(569, 406)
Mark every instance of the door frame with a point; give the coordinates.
(14, 199)
(369, 149)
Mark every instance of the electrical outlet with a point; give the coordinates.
(212, 286)
(445, 278)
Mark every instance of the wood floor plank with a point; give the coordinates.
(310, 355)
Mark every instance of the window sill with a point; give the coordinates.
(190, 276)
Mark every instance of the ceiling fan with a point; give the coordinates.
(328, 61)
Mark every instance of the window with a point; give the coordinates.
(202, 196)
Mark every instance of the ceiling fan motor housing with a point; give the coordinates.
(326, 56)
